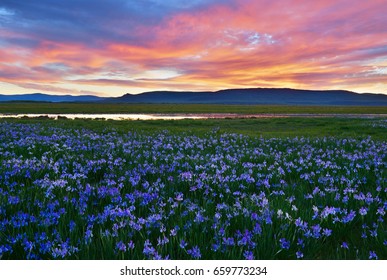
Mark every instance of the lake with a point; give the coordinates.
(182, 116)
(106, 116)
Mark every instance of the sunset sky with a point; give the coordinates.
(109, 48)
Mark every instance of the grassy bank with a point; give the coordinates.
(276, 127)
(94, 108)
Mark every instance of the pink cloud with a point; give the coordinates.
(299, 43)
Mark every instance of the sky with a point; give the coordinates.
(109, 48)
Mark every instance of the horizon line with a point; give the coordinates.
(192, 91)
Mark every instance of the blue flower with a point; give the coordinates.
(183, 244)
(344, 245)
(316, 231)
(373, 233)
(373, 255)
(195, 252)
(285, 244)
(121, 246)
(130, 244)
(257, 229)
(349, 217)
(248, 255)
(327, 232)
(228, 241)
(148, 249)
(363, 211)
(301, 243)
(72, 225)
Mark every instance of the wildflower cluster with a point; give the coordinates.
(80, 194)
(379, 123)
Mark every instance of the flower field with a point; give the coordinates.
(73, 193)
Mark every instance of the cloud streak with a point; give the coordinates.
(114, 47)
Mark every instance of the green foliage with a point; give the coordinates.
(257, 127)
(73, 172)
(99, 108)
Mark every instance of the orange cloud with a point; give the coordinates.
(323, 44)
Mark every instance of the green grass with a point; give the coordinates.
(276, 136)
(94, 108)
(258, 127)
(98, 163)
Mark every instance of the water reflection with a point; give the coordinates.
(184, 116)
(107, 116)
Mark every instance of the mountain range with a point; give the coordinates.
(280, 96)
(41, 97)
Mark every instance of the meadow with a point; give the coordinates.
(290, 188)
(103, 108)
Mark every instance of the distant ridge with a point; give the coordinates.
(280, 96)
(41, 97)
(251, 96)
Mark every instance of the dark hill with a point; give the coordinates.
(257, 96)
(41, 97)
(280, 96)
